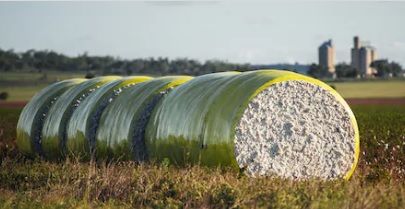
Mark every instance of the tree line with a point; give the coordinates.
(45, 60)
(383, 67)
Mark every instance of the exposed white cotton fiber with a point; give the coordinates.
(295, 129)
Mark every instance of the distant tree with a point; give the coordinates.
(89, 75)
(344, 70)
(3, 95)
(45, 60)
(315, 71)
(385, 68)
(28, 58)
(44, 77)
(9, 60)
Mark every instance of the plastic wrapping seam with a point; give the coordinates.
(53, 140)
(82, 126)
(175, 129)
(138, 144)
(115, 134)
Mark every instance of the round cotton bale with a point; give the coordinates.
(267, 122)
(30, 122)
(120, 134)
(53, 138)
(83, 123)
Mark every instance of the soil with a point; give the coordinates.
(376, 101)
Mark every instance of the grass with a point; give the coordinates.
(371, 89)
(21, 86)
(42, 184)
(378, 181)
(49, 76)
(22, 93)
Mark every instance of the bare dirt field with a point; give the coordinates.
(376, 101)
(12, 104)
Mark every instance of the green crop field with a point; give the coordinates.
(371, 89)
(49, 76)
(21, 93)
(378, 182)
(21, 86)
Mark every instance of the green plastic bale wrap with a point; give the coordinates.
(269, 122)
(83, 124)
(31, 119)
(120, 134)
(53, 138)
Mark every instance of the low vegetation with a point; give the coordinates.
(22, 86)
(371, 89)
(378, 182)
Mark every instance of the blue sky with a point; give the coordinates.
(255, 32)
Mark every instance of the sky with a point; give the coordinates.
(240, 32)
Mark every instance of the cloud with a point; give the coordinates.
(399, 45)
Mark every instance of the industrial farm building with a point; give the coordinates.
(327, 57)
(363, 55)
